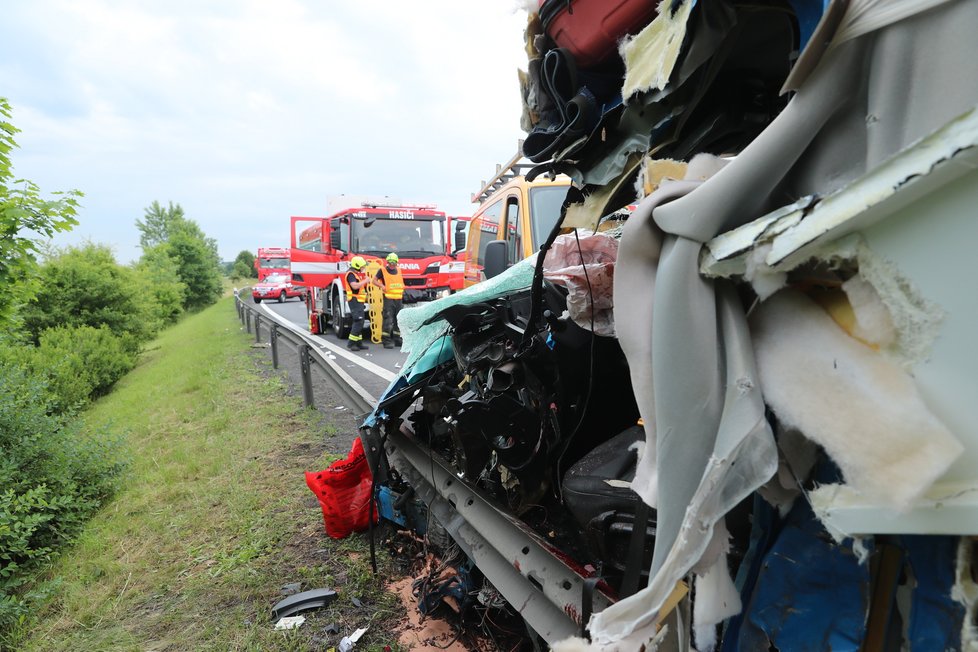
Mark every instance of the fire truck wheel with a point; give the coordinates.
(341, 324)
(257, 300)
(281, 296)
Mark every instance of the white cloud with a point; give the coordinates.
(248, 112)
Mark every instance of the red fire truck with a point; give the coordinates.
(323, 246)
(272, 260)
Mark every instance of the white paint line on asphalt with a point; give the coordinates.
(372, 367)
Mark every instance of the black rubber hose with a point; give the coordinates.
(536, 289)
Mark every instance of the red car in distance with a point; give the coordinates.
(276, 286)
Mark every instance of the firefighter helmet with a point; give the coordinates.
(392, 258)
(358, 263)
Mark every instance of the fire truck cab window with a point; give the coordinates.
(308, 235)
(343, 227)
(514, 230)
(488, 226)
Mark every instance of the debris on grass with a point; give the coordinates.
(290, 622)
(305, 601)
(347, 643)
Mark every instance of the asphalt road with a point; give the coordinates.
(374, 369)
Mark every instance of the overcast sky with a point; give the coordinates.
(247, 112)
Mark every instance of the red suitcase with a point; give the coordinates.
(592, 29)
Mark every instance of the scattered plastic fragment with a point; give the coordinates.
(332, 628)
(347, 643)
(290, 622)
(291, 588)
(356, 602)
(304, 601)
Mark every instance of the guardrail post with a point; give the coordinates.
(305, 364)
(248, 320)
(273, 340)
(257, 328)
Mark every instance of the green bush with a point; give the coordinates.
(74, 364)
(85, 286)
(241, 270)
(91, 357)
(159, 279)
(52, 479)
(198, 268)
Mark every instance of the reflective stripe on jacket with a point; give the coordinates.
(361, 294)
(393, 283)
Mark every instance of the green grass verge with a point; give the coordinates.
(213, 516)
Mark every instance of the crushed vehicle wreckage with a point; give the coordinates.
(741, 419)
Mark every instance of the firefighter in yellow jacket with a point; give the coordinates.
(393, 283)
(355, 281)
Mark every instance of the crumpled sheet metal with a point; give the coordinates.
(795, 232)
(418, 335)
(703, 421)
(585, 265)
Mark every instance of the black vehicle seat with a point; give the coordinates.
(606, 510)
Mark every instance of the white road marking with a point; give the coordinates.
(373, 368)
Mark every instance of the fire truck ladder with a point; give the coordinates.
(513, 168)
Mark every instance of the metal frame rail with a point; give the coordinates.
(360, 401)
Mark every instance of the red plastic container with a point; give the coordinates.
(343, 491)
(592, 29)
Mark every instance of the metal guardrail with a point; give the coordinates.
(278, 330)
(550, 592)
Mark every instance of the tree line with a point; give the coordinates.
(73, 322)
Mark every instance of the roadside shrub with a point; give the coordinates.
(73, 364)
(85, 286)
(90, 357)
(158, 276)
(53, 477)
(240, 270)
(198, 268)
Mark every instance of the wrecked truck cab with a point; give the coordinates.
(529, 428)
(796, 328)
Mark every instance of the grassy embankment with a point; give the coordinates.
(213, 516)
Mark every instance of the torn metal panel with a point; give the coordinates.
(733, 244)
(881, 221)
(943, 509)
(796, 231)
